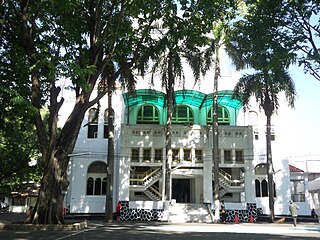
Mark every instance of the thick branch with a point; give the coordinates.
(53, 117)
(27, 43)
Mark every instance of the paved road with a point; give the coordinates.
(168, 231)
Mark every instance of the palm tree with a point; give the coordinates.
(169, 64)
(167, 61)
(218, 32)
(253, 42)
(265, 87)
(180, 39)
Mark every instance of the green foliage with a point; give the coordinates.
(255, 41)
(294, 25)
(265, 89)
(18, 148)
(300, 22)
(183, 35)
(252, 44)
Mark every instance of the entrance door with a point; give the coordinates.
(181, 190)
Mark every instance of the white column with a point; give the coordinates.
(249, 183)
(207, 180)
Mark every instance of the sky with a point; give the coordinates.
(299, 128)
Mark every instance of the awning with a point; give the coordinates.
(188, 97)
(144, 96)
(224, 99)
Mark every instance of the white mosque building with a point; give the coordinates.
(140, 152)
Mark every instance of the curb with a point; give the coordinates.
(44, 227)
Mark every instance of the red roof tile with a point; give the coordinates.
(295, 169)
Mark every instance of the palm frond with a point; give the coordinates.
(265, 88)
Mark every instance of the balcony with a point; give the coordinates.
(191, 144)
(183, 131)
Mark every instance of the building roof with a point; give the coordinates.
(190, 97)
(295, 169)
(26, 189)
(144, 95)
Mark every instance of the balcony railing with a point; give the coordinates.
(182, 130)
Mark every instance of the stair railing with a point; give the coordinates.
(228, 178)
(141, 178)
(155, 190)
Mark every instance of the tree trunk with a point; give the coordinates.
(168, 129)
(54, 183)
(110, 164)
(50, 200)
(270, 169)
(268, 108)
(215, 139)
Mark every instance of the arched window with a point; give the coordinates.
(264, 187)
(106, 122)
(182, 115)
(96, 172)
(97, 186)
(93, 123)
(261, 169)
(90, 186)
(104, 186)
(258, 188)
(148, 114)
(223, 116)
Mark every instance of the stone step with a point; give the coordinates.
(182, 213)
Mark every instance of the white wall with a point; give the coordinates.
(76, 195)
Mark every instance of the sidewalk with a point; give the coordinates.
(15, 221)
(20, 217)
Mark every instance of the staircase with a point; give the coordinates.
(227, 184)
(144, 183)
(153, 193)
(153, 178)
(189, 212)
